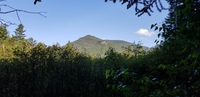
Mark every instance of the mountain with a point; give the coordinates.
(97, 47)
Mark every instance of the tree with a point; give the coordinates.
(173, 68)
(181, 48)
(3, 36)
(3, 32)
(69, 51)
(19, 32)
(134, 50)
(138, 49)
(128, 51)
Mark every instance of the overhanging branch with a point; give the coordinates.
(145, 5)
(17, 11)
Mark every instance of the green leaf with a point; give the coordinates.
(107, 74)
(156, 28)
(153, 25)
(163, 25)
(160, 29)
(158, 35)
(155, 41)
(161, 66)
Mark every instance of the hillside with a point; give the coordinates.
(97, 47)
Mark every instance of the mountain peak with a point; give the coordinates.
(90, 37)
(95, 46)
(87, 40)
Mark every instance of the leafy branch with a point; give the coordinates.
(147, 5)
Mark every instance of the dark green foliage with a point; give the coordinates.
(34, 69)
(37, 1)
(37, 70)
(172, 69)
(29, 69)
(142, 6)
(19, 32)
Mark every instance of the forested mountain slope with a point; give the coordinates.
(97, 47)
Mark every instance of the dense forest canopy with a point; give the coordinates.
(31, 69)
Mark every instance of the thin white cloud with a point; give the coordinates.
(145, 32)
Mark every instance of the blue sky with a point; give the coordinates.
(68, 20)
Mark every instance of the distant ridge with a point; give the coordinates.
(97, 47)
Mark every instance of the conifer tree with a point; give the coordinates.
(19, 32)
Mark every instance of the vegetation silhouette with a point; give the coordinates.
(30, 69)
